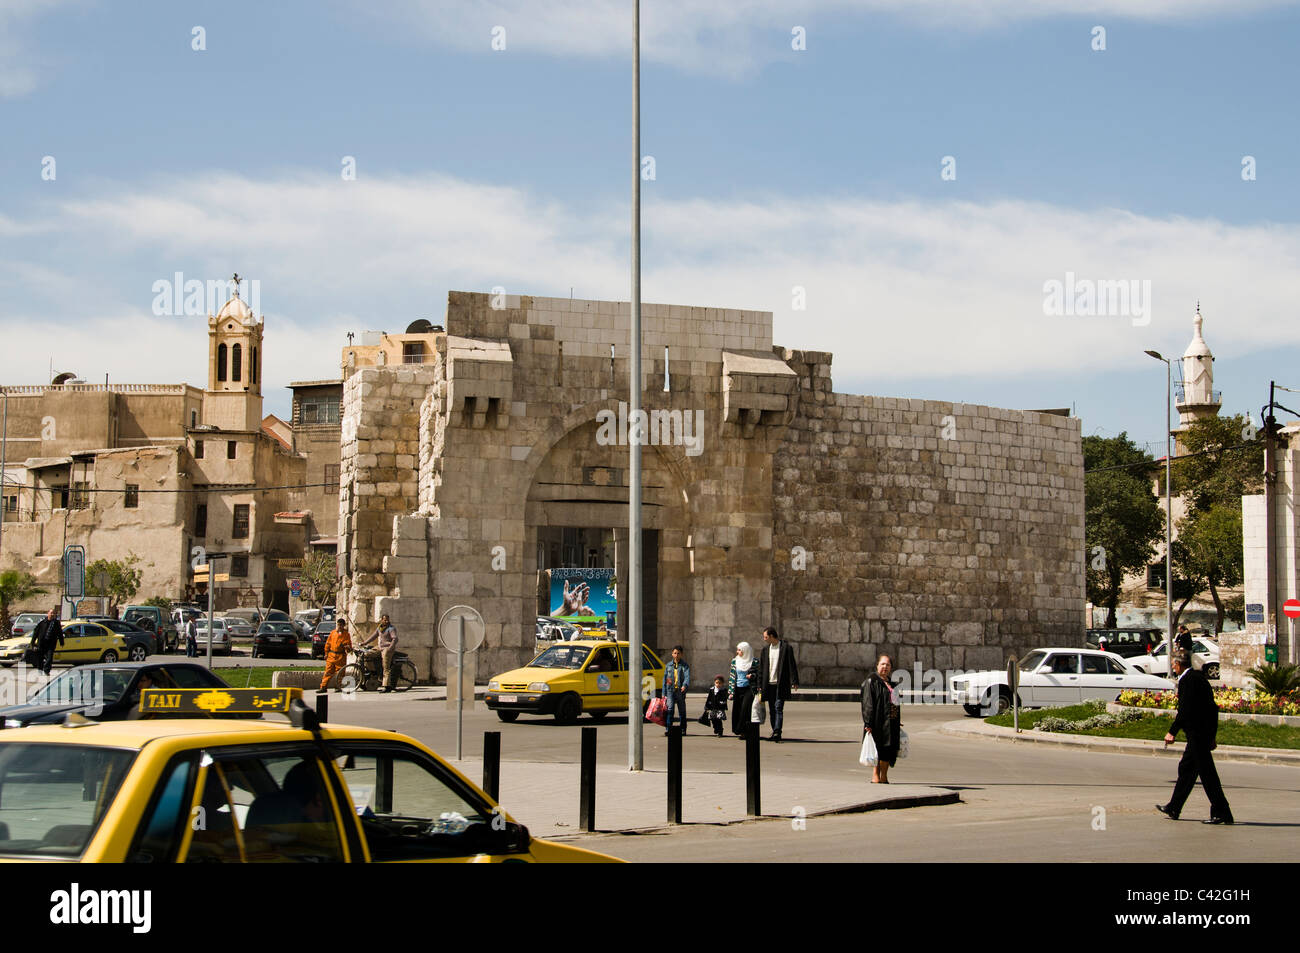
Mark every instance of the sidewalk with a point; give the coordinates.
(977, 728)
(544, 796)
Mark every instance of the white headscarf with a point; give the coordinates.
(746, 654)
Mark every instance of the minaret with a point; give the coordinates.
(1196, 398)
(233, 399)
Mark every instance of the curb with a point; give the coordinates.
(1222, 753)
(1289, 721)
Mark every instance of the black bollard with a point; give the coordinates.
(753, 787)
(322, 707)
(587, 782)
(492, 764)
(675, 775)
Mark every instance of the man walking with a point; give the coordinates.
(1198, 718)
(779, 675)
(191, 639)
(48, 632)
(337, 647)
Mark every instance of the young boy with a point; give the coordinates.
(715, 704)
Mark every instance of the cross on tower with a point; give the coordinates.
(235, 279)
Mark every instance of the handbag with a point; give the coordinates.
(658, 711)
(704, 718)
(869, 756)
(902, 744)
(758, 711)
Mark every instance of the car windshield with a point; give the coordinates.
(1031, 661)
(562, 656)
(79, 686)
(277, 628)
(53, 796)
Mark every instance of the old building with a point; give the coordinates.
(155, 471)
(947, 534)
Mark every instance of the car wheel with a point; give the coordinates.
(109, 656)
(7, 664)
(508, 716)
(972, 710)
(138, 653)
(1212, 670)
(568, 710)
(1002, 704)
(598, 715)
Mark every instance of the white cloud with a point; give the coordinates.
(736, 36)
(894, 289)
(18, 71)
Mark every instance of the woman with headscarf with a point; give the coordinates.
(741, 683)
(882, 717)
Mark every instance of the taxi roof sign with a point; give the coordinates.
(217, 701)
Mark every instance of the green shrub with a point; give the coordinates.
(1276, 679)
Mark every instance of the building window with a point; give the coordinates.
(239, 566)
(221, 362)
(331, 478)
(132, 496)
(252, 368)
(80, 496)
(59, 498)
(230, 449)
(1156, 576)
(240, 529)
(194, 418)
(11, 504)
(236, 361)
(198, 449)
(412, 352)
(318, 410)
(201, 520)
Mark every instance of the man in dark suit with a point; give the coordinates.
(1198, 719)
(778, 675)
(48, 633)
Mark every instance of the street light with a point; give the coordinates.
(1169, 510)
(635, 754)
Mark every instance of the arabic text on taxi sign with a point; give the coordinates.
(217, 701)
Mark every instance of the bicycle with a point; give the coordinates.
(367, 672)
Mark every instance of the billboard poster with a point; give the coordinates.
(583, 596)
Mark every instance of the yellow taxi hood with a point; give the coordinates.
(529, 674)
(14, 642)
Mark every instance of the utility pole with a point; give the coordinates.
(1271, 430)
(635, 750)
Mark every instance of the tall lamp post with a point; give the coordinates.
(1169, 508)
(634, 719)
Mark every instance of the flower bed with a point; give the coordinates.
(1100, 720)
(1232, 701)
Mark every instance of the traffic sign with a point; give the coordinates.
(74, 572)
(448, 628)
(221, 577)
(1292, 608)
(295, 587)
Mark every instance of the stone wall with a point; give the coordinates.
(940, 533)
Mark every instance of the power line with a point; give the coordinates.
(1186, 456)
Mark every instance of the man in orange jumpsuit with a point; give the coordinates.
(337, 647)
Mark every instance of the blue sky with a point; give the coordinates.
(775, 168)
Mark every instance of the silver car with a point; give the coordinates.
(221, 636)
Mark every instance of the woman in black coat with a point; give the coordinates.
(881, 717)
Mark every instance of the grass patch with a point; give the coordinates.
(1155, 726)
(258, 676)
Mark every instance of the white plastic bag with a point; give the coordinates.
(758, 712)
(902, 744)
(869, 757)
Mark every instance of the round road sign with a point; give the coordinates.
(450, 624)
(1292, 608)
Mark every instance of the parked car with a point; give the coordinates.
(140, 643)
(220, 640)
(238, 627)
(305, 622)
(82, 642)
(1205, 656)
(319, 637)
(1054, 677)
(103, 692)
(555, 630)
(156, 620)
(25, 623)
(276, 638)
(1126, 643)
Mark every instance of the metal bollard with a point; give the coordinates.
(492, 764)
(753, 786)
(322, 707)
(587, 782)
(675, 775)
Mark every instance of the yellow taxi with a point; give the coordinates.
(83, 641)
(185, 789)
(569, 678)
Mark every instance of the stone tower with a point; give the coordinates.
(233, 398)
(1197, 398)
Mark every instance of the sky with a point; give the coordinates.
(917, 174)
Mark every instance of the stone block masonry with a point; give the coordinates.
(944, 534)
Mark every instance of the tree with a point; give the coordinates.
(1211, 472)
(1210, 550)
(319, 577)
(162, 602)
(123, 579)
(1122, 517)
(15, 587)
